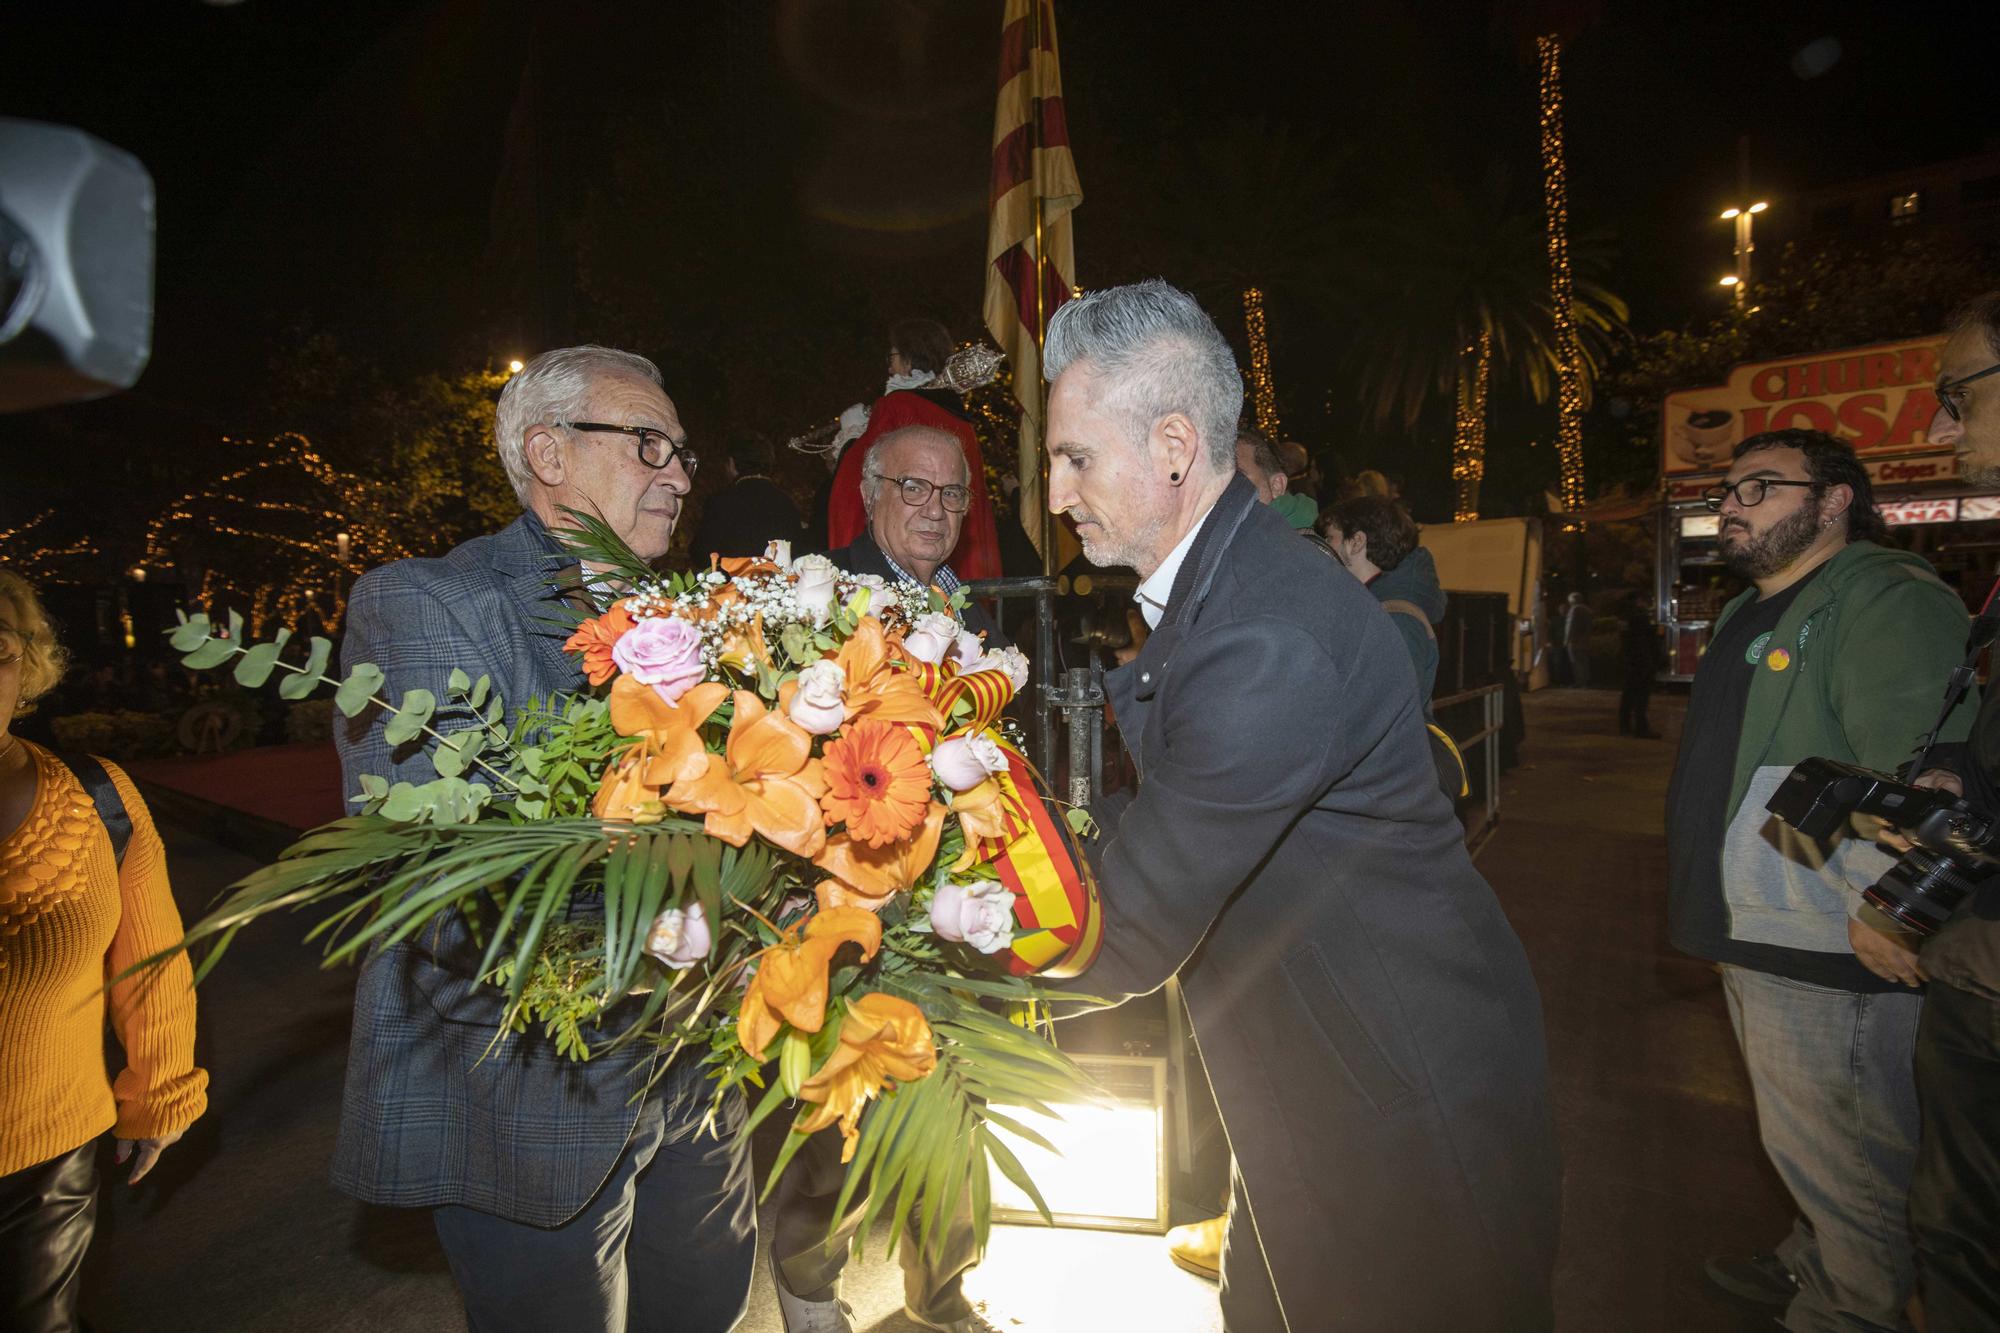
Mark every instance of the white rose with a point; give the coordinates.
(779, 553)
(935, 635)
(818, 705)
(1010, 662)
(963, 762)
(814, 577)
(680, 939)
(970, 649)
(980, 914)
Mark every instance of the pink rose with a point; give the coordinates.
(664, 652)
(963, 762)
(970, 649)
(980, 914)
(817, 705)
(932, 638)
(680, 939)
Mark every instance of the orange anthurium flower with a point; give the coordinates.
(870, 875)
(883, 1039)
(790, 984)
(765, 782)
(876, 686)
(667, 746)
(736, 566)
(878, 782)
(594, 637)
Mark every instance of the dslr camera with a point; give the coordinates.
(1953, 845)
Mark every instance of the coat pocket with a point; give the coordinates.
(1367, 1065)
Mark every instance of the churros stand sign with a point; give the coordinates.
(1880, 399)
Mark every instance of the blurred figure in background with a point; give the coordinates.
(1639, 649)
(750, 511)
(1578, 621)
(83, 896)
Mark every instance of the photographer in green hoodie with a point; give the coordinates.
(1839, 650)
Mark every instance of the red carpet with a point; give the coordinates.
(294, 785)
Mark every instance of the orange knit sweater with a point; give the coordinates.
(69, 921)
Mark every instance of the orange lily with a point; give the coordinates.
(745, 644)
(865, 876)
(877, 687)
(594, 637)
(790, 984)
(667, 746)
(736, 566)
(766, 782)
(883, 1039)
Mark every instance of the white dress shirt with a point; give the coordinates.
(1152, 595)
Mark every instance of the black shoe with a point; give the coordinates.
(1759, 1277)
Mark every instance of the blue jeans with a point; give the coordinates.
(667, 1243)
(1837, 1113)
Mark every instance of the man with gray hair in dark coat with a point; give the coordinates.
(1366, 1015)
(562, 1199)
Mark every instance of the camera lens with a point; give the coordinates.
(1921, 891)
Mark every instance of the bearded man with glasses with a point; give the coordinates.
(1840, 649)
(561, 1201)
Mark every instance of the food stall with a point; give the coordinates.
(1880, 399)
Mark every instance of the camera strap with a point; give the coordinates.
(1985, 627)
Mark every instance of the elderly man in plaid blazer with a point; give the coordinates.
(561, 1202)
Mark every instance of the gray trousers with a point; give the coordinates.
(809, 1265)
(1837, 1113)
(667, 1245)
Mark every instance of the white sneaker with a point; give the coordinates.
(973, 1322)
(834, 1316)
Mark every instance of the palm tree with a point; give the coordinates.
(1462, 281)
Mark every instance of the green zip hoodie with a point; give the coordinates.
(1855, 671)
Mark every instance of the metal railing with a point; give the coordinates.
(1485, 710)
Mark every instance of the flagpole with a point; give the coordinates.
(1041, 299)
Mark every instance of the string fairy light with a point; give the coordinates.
(1562, 286)
(1468, 445)
(303, 533)
(48, 561)
(1264, 391)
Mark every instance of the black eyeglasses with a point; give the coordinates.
(917, 491)
(656, 448)
(13, 644)
(1749, 491)
(1945, 389)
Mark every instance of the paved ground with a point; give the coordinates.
(237, 1229)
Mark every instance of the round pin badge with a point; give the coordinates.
(1755, 652)
(1779, 659)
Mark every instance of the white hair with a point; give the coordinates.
(550, 390)
(871, 462)
(1157, 352)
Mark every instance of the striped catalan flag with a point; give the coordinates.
(1031, 162)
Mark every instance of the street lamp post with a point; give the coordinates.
(1744, 218)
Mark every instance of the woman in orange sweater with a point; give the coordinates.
(70, 919)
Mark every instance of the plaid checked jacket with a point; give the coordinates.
(429, 1116)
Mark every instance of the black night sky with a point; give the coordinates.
(749, 192)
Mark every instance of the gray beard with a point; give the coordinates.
(1761, 557)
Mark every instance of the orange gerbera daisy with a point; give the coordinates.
(594, 637)
(883, 1039)
(878, 783)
